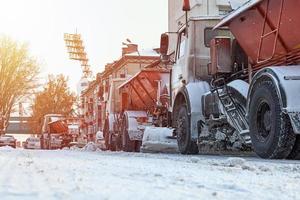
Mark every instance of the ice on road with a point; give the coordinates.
(65, 174)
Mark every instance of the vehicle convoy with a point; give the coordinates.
(55, 132)
(235, 82)
(234, 85)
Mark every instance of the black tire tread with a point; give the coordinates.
(295, 154)
(190, 146)
(282, 146)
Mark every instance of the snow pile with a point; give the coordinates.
(74, 148)
(91, 146)
(6, 148)
(240, 163)
(157, 139)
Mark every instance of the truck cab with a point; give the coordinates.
(242, 89)
(191, 77)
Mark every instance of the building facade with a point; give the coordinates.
(102, 95)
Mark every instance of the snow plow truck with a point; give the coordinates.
(55, 132)
(235, 82)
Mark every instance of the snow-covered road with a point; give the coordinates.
(63, 174)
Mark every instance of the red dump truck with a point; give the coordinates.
(235, 82)
(55, 132)
(144, 101)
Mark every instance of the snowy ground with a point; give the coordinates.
(66, 174)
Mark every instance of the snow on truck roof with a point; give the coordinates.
(237, 12)
(195, 18)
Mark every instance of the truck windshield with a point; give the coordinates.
(210, 34)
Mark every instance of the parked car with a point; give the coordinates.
(32, 143)
(8, 140)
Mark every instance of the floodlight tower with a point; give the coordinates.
(76, 51)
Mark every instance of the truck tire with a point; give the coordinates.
(185, 143)
(127, 144)
(295, 154)
(270, 130)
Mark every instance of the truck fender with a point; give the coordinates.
(191, 96)
(240, 87)
(287, 82)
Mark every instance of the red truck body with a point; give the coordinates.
(268, 31)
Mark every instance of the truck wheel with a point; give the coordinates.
(295, 154)
(127, 144)
(270, 130)
(185, 144)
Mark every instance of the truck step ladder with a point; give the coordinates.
(234, 112)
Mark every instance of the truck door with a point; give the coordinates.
(178, 68)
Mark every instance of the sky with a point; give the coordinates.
(104, 25)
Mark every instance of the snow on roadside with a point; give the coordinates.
(156, 139)
(75, 175)
(90, 147)
(5, 148)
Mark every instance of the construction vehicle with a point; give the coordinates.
(235, 82)
(115, 75)
(144, 102)
(55, 132)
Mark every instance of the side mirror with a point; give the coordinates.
(164, 44)
(186, 5)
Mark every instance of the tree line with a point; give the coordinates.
(19, 79)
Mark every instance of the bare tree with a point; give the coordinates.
(56, 98)
(18, 72)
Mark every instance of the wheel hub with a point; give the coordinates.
(264, 121)
(267, 120)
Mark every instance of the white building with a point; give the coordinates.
(198, 8)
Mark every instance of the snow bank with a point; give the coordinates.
(157, 139)
(5, 148)
(91, 146)
(241, 163)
